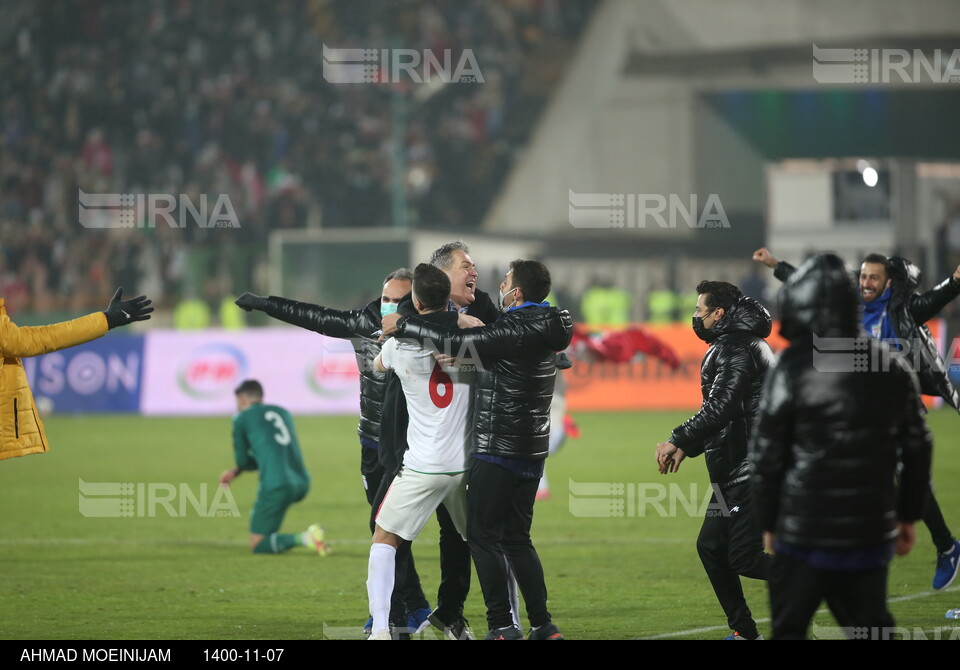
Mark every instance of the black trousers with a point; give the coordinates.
(372, 473)
(933, 518)
(499, 516)
(857, 598)
(455, 569)
(730, 545)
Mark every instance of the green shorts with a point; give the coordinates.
(271, 506)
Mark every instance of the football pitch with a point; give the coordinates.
(619, 555)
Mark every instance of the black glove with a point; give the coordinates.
(563, 362)
(250, 302)
(121, 312)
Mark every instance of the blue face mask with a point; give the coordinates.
(388, 308)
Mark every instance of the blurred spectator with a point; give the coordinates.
(213, 97)
(606, 306)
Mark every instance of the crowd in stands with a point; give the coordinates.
(228, 97)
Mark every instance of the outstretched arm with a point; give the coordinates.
(36, 340)
(323, 320)
(925, 306)
(781, 269)
(499, 339)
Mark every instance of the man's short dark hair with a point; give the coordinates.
(881, 259)
(250, 387)
(443, 257)
(403, 274)
(718, 294)
(431, 286)
(533, 278)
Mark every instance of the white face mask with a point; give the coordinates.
(501, 305)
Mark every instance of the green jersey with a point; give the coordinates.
(264, 439)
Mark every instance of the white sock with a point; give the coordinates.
(305, 539)
(380, 578)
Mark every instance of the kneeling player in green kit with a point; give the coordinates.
(264, 438)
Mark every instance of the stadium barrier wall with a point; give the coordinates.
(176, 373)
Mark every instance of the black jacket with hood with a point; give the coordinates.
(827, 444)
(909, 312)
(731, 378)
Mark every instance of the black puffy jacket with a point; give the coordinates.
(360, 326)
(731, 379)
(515, 385)
(827, 444)
(909, 312)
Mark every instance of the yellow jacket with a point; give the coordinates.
(21, 431)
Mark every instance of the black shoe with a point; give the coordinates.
(547, 631)
(457, 629)
(505, 633)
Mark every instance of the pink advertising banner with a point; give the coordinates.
(195, 373)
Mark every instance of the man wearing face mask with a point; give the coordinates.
(362, 327)
(731, 377)
(894, 311)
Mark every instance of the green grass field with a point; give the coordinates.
(70, 576)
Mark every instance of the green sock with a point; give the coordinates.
(277, 543)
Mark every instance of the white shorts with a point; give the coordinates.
(413, 497)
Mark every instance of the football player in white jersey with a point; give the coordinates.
(440, 404)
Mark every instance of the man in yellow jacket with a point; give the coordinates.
(21, 431)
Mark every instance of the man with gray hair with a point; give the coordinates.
(454, 259)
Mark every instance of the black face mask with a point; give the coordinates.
(703, 333)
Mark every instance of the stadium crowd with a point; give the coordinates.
(229, 97)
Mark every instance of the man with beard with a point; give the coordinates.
(731, 378)
(825, 454)
(895, 312)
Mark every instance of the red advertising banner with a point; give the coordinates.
(650, 384)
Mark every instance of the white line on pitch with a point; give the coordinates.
(707, 629)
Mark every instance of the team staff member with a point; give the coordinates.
(513, 395)
(894, 310)
(825, 455)
(264, 439)
(21, 431)
(731, 378)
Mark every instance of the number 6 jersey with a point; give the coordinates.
(440, 404)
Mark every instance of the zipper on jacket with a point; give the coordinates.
(16, 420)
